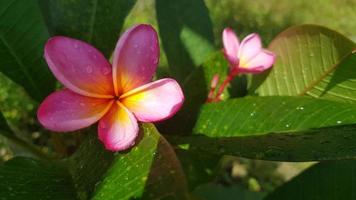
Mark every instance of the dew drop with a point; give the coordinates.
(155, 61)
(287, 125)
(300, 108)
(105, 71)
(339, 122)
(135, 45)
(152, 48)
(89, 69)
(76, 45)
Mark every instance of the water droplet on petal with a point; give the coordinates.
(89, 69)
(155, 61)
(76, 45)
(106, 71)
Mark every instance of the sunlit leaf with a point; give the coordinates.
(276, 128)
(311, 60)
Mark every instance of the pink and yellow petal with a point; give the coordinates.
(155, 101)
(250, 46)
(135, 58)
(231, 46)
(79, 66)
(262, 61)
(118, 129)
(65, 110)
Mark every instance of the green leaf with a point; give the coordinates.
(187, 38)
(276, 128)
(307, 57)
(22, 37)
(25, 178)
(4, 127)
(187, 34)
(324, 181)
(150, 170)
(198, 168)
(214, 192)
(97, 22)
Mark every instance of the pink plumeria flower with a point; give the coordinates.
(116, 95)
(247, 57)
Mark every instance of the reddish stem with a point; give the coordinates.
(226, 82)
(214, 83)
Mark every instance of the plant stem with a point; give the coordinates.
(226, 82)
(34, 150)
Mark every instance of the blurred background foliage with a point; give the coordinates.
(266, 17)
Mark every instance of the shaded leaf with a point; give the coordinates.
(324, 181)
(4, 127)
(22, 37)
(307, 56)
(276, 128)
(216, 192)
(187, 34)
(25, 178)
(94, 21)
(199, 168)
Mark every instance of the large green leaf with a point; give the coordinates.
(22, 37)
(97, 22)
(150, 170)
(324, 181)
(311, 60)
(25, 178)
(276, 128)
(186, 32)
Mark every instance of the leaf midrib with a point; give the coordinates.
(325, 74)
(21, 65)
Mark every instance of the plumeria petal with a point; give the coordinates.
(135, 58)
(231, 46)
(79, 66)
(155, 101)
(65, 110)
(259, 63)
(118, 128)
(249, 48)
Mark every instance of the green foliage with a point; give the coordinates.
(306, 56)
(4, 127)
(26, 178)
(150, 170)
(327, 180)
(303, 109)
(94, 21)
(297, 129)
(22, 37)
